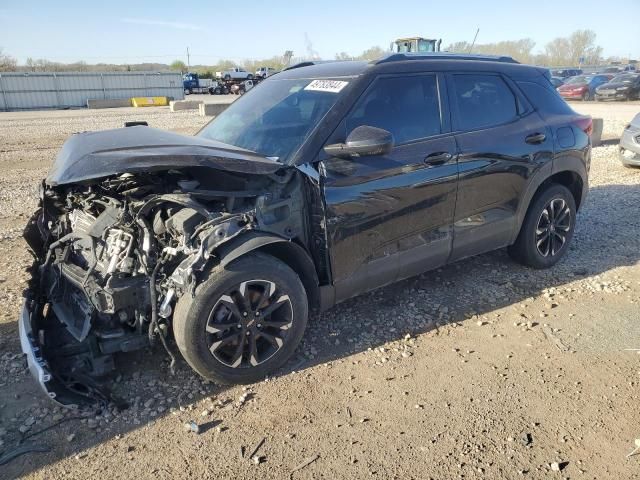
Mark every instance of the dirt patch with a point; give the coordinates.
(482, 369)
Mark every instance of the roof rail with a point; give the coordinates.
(308, 63)
(400, 57)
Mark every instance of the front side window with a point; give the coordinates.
(408, 107)
(483, 101)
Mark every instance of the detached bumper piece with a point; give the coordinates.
(66, 376)
(38, 366)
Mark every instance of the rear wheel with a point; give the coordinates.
(547, 229)
(244, 321)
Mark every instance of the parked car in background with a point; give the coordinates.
(582, 87)
(557, 81)
(629, 148)
(264, 72)
(566, 72)
(613, 70)
(242, 87)
(621, 87)
(236, 73)
(219, 88)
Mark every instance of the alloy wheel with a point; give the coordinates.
(249, 324)
(554, 225)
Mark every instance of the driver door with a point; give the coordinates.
(390, 216)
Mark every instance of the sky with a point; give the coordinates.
(116, 31)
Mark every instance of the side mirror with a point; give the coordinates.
(362, 141)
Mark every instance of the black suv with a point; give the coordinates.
(323, 182)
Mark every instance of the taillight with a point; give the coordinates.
(585, 124)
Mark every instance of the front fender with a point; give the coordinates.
(287, 251)
(243, 244)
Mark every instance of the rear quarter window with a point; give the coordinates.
(546, 99)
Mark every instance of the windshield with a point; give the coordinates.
(276, 117)
(624, 78)
(580, 79)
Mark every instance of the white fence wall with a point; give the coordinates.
(24, 91)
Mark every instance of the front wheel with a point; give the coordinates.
(547, 229)
(244, 321)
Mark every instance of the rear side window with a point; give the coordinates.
(407, 106)
(547, 100)
(482, 101)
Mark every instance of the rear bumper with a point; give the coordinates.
(629, 148)
(629, 157)
(37, 364)
(570, 96)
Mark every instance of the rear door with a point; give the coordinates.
(390, 216)
(501, 142)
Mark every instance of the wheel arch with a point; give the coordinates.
(575, 179)
(287, 251)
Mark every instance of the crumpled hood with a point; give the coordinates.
(93, 155)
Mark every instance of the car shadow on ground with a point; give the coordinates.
(607, 237)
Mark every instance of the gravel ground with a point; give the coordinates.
(482, 369)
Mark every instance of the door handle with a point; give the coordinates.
(535, 138)
(438, 158)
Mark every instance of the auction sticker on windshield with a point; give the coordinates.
(332, 86)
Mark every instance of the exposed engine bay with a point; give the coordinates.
(114, 255)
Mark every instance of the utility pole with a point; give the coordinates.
(188, 60)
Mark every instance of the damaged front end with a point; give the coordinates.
(114, 251)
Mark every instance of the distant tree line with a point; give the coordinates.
(7, 62)
(561, 51)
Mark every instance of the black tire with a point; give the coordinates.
(586, 96)
(250, 77)
(527, 250)
(213, 316)
(227, 77)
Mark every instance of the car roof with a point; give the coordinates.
(406, 63)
